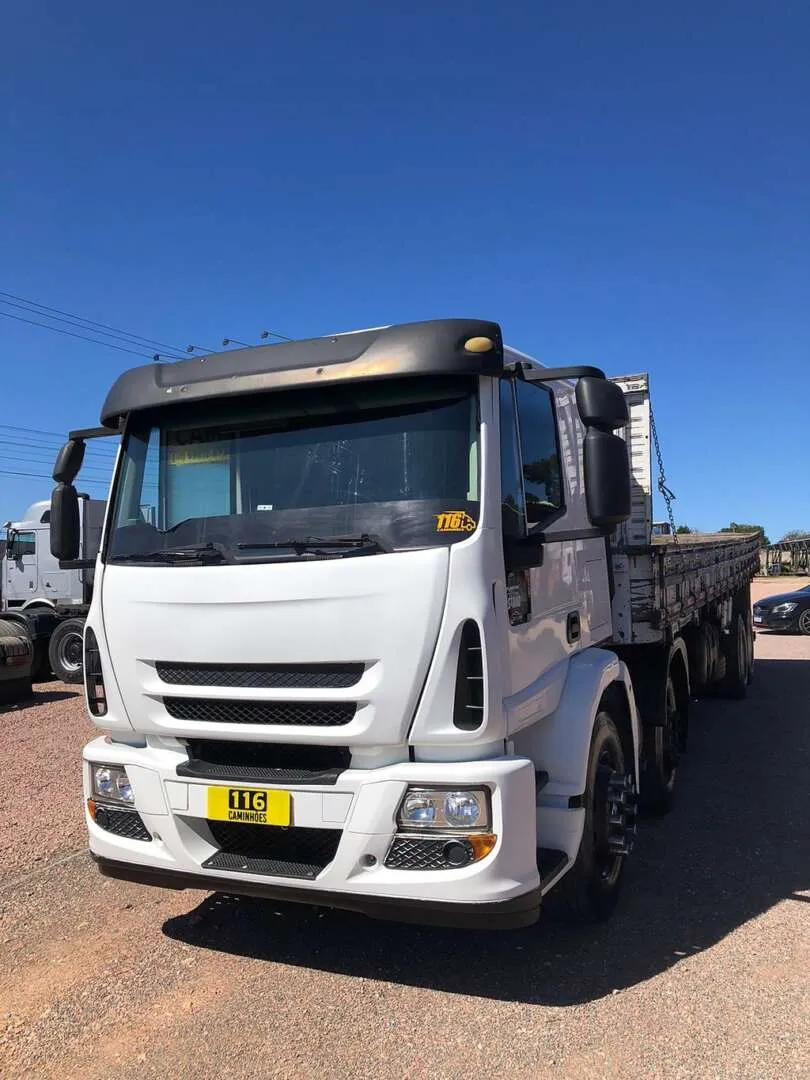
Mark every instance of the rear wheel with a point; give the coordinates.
(590, 890)
(65, 651)
(662, 754)
(736, 651)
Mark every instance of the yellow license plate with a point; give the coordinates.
(250, 806)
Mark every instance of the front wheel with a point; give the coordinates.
(803, 623)
(65, 651)
(590, 890)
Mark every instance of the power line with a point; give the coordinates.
(43, 476)
(37, 440)
(71, 322)
(96, 444)
(92, 322)
(69, 333)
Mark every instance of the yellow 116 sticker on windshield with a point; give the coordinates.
(455, 521)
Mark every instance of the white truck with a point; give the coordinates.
(378, 625)
(50, 601)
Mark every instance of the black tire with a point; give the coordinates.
(16, 690)
(736, 651)
(661, 757)
(590, 890)
(65, 651)
(803, 622)
(40, 665)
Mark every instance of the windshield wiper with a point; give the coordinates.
(323, 545)
(211, 551)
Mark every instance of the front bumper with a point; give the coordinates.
(499, 891)
(766, 620)
(510, 914)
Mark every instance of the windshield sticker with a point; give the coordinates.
(186, 455)
(455, 521)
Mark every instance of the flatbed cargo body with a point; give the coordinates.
(662, 582)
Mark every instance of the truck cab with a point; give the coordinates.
(346, 639)
(31, 574)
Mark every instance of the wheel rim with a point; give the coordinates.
(614, 809)
(804, 621)
(69, 652)
(670, 751)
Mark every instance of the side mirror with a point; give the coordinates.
(65, 531)
(601, 404)
(607, 478)
(69, 461)
(602, 408)
(522, 552)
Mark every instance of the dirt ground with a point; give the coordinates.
(704, 971)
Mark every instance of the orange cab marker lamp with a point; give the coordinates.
(482, 844)
(479, 344)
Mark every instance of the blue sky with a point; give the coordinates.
(620, 184)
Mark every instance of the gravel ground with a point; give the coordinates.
(704, 972)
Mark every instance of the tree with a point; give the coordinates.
(735, 527)
(684, 530)
(795, 534)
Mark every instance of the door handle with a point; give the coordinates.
(572, 627)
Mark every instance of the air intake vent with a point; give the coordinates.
(468, 710)
(262, 676)
(293, 713)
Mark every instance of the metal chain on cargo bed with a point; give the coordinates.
(669, 496)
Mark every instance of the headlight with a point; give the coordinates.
(440, 809)
(784, 609)
(111, 782)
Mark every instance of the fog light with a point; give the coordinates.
(458, 853)
(112, 783)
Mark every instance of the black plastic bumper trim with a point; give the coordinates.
(509, 914)
(244, 774)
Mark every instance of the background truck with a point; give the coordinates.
(380, 623)
(51, 602)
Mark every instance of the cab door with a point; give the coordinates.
(542, 599)
(21, 568)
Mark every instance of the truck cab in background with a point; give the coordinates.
(353, 638)
(50, 600)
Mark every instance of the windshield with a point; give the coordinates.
(395, 460)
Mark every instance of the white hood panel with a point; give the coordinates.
(381, 611)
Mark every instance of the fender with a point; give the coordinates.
(649, 668)
(560, 742)
(40, 601)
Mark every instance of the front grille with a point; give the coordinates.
(272, 850)
(126, 823)
(418, 853)
(257, 762)
(262, 676)
(294, 713)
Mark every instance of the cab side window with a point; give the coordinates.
(24, 543)
(540, 452)
(513, 511)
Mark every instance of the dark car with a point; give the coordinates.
(787, 611)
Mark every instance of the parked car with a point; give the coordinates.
(785, 611)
